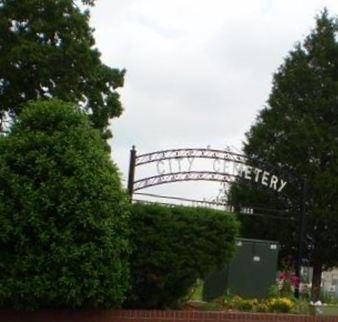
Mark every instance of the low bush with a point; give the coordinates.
(174, 246)
(239, 304)
(280, 305)
(271, 305)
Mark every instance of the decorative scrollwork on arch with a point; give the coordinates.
(182, 176)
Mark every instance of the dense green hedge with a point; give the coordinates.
(173, 247)
(64, 218)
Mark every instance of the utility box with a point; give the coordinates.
(250, 274)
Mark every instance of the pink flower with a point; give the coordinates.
(285, 276)
(289, 277)
(295, 280)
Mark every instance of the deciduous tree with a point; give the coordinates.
(47, 49)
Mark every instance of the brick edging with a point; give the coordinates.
(153, 316)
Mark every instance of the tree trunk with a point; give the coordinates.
(316, 280)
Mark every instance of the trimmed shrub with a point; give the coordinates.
(173, 247)
(64, 217)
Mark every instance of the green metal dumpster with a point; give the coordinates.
(251, 273)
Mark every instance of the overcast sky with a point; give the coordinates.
(198, 71)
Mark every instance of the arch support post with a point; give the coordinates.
(131, 176)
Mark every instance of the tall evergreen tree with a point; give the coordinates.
(47, 50)
(298, 132)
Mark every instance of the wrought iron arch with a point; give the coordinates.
(180, 176)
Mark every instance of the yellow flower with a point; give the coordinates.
(280, 304)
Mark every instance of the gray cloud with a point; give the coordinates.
(198, 71)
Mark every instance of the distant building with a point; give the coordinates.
(330, 282)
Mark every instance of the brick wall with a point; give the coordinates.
(152, 316)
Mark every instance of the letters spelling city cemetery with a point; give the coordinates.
(219, 166)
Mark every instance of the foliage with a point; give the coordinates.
(174, 246)
(280, 305)
(301, 307)
(246, 305)
(47, 50)
(63, 214)
(270, 305)
(210, 306)
(197, 291)
(297, 132)
(288, 283)
(287, 280)
(274, 290)
(328, 298)
(273, 304)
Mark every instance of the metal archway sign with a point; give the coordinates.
(227, 166)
